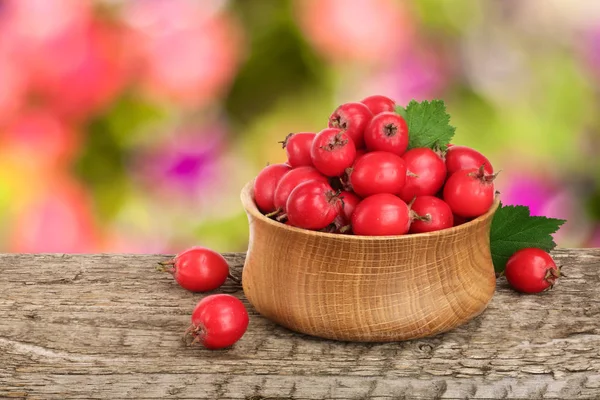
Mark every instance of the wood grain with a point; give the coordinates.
(109, 326)
(367, 288)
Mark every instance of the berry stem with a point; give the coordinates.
(336, 121)
(165, 266)
(481, 172)
(281, 217)
(552, 274)
(187, 333)
(346, 182)
(284, 141)
(196, 332)
(412, 202)
(440, 150)
(345, 228)
(482, 176)
(491, 177)
(334, 197)
(416, 217)
(273, 214)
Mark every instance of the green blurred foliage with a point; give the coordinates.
(110, 143)
(280, 64)
(447, 17)
(229, 234)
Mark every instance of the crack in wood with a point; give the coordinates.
(39, 352)
(221, 386)
(293, 348)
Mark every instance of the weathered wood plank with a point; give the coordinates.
(109, 326)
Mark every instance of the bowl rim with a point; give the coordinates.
(250, 207)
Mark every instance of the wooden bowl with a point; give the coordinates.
(367, 288)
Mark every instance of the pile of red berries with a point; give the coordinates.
(360, 176)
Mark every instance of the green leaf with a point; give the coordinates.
(513, 229)
(402, 111)
(428, 124)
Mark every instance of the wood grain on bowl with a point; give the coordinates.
(360, 288)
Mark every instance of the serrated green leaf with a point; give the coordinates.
(402, 111)
(513, 229)
(428, 124)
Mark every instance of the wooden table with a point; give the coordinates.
(109, 326)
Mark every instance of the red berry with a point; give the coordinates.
(349, 203)
(332, 152)
(352, 118)
(378, 172)
(531, 270)
(198, 269)
(469, 192)
(297, 147)
(291, 180)
(378, 104)
(265, 184)
(381, 215)
(426, 173)
(430, 214)
(218, 321)
(387, 131)
(462, 157)
(313, 205)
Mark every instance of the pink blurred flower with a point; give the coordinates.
(529, 191)
(546, 198)
(591, 50)
(190, 50)
(183, 165)
(369, 31)
(418, 73)
(39, 139)
(14, 85)
(59, 219)
(567, 205)
(32, 22)
(74, 63)
(157, 17)
(92, 74)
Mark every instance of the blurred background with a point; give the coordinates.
(131, 126)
